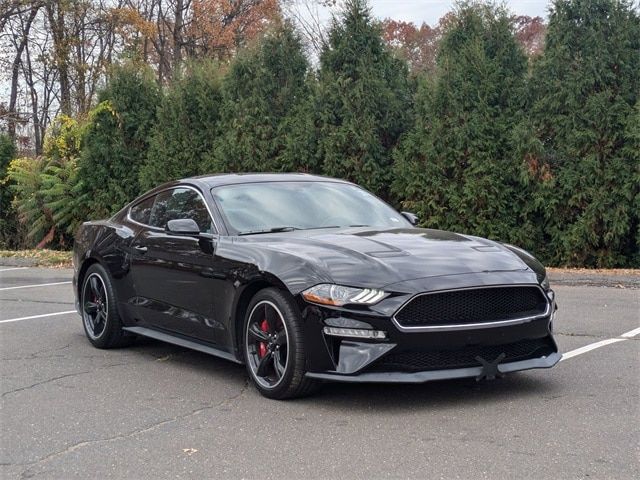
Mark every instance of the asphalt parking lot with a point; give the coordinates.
(154, 410)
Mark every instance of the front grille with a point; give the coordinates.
(477, 305)
(421, 360)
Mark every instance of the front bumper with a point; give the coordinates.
(421, 356)
(433, 375)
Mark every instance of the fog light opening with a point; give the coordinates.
(355, 333)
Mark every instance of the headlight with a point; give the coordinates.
(338, 295)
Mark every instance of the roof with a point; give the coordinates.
(218, 179)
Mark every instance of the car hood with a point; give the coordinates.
(377, 258)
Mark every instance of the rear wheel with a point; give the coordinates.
(100, 318)
(274, 347)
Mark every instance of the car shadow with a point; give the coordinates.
(159, 351)
(437, 394)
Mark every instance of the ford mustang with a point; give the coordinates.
(306, 279)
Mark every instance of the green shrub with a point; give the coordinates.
(45, 188)
(26, 177)
(10, 232)
(117, 140)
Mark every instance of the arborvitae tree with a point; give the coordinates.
(363, 100)
(632, 153)
(456, 168)
(8, 220)
(117, 138)
(187, 127)
(585, 87)
(7, 152)
(265, 107)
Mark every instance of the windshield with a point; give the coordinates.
(282, 206)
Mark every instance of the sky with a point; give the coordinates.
(430, 11)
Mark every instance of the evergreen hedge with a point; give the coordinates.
(542, 154)
(585, 87)
(363, 101)
(186, 128)
(116, 142)
(264, 122)
(456, 167)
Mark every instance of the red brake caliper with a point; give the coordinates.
(262, 346)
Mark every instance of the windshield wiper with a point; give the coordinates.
(319, 228)
(270, 230)
(332, 226)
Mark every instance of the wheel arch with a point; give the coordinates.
(242, 304)
(92, 259)
(82, 271)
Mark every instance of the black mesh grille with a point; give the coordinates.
(472, 306)
(420, 360)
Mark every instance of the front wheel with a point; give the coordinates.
(274, 348)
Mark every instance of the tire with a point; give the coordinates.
(100, 318)
(273, 346)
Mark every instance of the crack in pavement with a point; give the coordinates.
(76, 446)
(588, 335)
(38, 354)
(49, 380)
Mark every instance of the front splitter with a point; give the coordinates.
(432, 375)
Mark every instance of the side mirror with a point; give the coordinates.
(183, 226)
(412, 217)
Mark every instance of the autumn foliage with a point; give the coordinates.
(220, 27)
(417, 45)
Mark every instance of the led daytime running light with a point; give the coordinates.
(355, 332)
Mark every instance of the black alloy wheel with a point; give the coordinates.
(95, 306)
(267, 344)
(274, 347)
(100, 318)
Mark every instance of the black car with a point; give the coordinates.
(306, 279)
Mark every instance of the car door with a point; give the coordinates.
(173, 273)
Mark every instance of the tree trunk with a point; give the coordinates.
(61, 53)
(177, 36)
(15, 72)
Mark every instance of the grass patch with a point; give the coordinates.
(41, 257)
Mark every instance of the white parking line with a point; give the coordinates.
(601, 343)
(14, 268)
(34, 286)
(37, 316)
(631, 334)
(591, 346)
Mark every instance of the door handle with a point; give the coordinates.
(140, 248)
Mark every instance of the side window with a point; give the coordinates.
(180, 203)
(141, 211)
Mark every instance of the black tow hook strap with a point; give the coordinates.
(490, 369)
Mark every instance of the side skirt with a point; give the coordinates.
(181, 342)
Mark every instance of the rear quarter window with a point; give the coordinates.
(141, 211)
